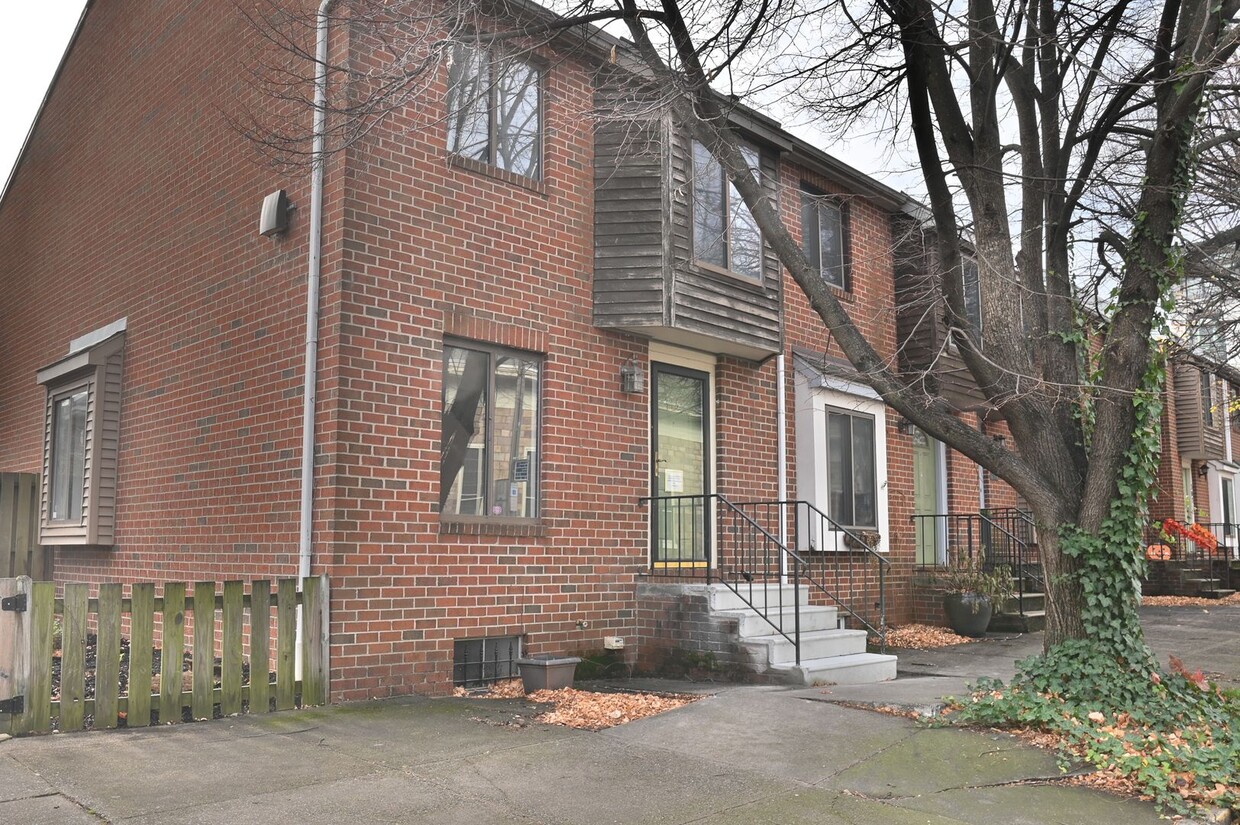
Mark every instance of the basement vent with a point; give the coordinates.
(482, 661)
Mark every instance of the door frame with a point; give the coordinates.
(675, 360)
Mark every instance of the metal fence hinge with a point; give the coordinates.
(15, 705)
(16, 604)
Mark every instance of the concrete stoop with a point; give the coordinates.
(1017, 616)
(830, 652)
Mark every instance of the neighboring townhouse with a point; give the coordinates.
(1197, 479)
(562, 392)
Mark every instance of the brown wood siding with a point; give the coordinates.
(629, 220)
(728, 308)
(920, 327)
(104, 499)
(1190, 423)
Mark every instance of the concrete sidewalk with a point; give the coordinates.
(741, 755)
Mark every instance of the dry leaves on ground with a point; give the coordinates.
(1190, 601)
(923, 637)
(586, 709)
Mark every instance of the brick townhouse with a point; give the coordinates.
(553, 358)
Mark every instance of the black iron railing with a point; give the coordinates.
(1003, 537)
(1214, 563)
(744, 551)
(841, 563)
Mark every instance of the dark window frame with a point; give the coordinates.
(727, 193)
(534, 472)
(496, 62)
(813, 201)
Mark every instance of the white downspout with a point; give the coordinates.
(313, 271)
(781, 435)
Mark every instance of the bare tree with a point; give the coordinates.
(1046, 132)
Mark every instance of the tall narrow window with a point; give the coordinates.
(489, 447)
(68, 463)
(824, 227)
(972, 283)
(1207, 398)
(725, 233)
(851, 470)
(495, 110)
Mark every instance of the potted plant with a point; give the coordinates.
(972, 593)
(547, 672)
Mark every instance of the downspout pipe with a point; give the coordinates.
(781, 436)
(313, 271)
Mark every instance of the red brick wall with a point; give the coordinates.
(137, 199)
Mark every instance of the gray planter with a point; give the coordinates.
(968, 613)
(548, 672)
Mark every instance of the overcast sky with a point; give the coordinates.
(32, 39)
(35, 34)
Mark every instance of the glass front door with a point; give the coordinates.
(680, 418)
(925, 497)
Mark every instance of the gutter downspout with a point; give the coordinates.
(313, 271)
(781, 435)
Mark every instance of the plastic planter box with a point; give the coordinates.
(547, 672)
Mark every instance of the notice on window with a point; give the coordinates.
(521, 469)
(673, 481)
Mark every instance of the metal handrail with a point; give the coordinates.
(860, 545)
(742, 564)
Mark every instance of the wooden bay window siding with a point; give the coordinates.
(1197, 438)
(98, 371)
(646, 279)
(921, 327)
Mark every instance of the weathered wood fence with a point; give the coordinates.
(20, 553)
(151, 680)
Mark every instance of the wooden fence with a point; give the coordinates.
(153, 678)
(20, 553)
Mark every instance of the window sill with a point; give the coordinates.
(755, 284)
(492, 527)
(469, 164)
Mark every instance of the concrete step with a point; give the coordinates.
(1216, 593)
(763, 597)
(854, 669)
(1031, 621)
(819, 644)
(1032, 602)
(750, 624)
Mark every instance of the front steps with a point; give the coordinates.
(1020, 616)
(830, 653)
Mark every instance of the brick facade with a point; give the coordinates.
(136, 199)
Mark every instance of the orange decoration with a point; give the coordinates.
(1158, 552)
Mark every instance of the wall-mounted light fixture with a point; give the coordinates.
(632, 378)
(905, 427)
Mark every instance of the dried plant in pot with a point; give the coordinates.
(972, 592)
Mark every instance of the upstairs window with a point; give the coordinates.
(973, 296)
(489, 447)
(495, 110)
(824, 226)
(725, 234)
(1207, 398)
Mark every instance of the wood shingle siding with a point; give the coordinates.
(645, 279)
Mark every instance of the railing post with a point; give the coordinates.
(796, 602)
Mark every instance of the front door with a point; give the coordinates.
(925, 497)
(680, 419)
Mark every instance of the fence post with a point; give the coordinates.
(14, 647)
(316, 598)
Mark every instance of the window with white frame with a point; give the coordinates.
(841, 459)
(495, 110)
(725, 234)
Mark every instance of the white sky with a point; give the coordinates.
(32, 39)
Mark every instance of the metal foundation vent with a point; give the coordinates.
(482, 661)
